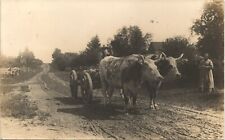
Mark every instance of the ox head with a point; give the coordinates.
(150, 71)
(142, 70)
(172, 64)
(167, 64)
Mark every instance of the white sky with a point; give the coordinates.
(43, 25)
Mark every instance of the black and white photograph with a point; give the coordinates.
(112, 69)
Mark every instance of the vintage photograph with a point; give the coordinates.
(112, 69)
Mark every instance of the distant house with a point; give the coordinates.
(156, 46)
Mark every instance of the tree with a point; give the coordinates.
(57, 52)
(210, 29)
(177, 45)
(69, 57)
(58, 59)
(120, 43)
(130, 40)
(26, 58)
(90, 56)
(92, 52)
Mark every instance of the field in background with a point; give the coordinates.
(24, 76)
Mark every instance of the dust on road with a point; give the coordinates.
(71, 119)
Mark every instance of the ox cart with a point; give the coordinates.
(84, 82)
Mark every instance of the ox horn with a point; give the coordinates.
(180, 56)
(142, 59)
(163, 55)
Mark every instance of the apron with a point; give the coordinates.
(209, 74)
(206, 75)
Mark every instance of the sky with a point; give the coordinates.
(43, 25)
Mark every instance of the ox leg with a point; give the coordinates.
(154, 104)
(151, 102)
(72, 90)
(104, 88)
(110, 93)
(104, 95)
(126, 101)
(156, 91)
(134, 101)
(122, 93)
(154, 97)
(130, 102)
(75, 91)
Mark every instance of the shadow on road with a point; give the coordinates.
(69, 100)
(94, 111)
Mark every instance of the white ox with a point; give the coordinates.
(126, 73)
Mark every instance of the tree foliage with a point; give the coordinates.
(130, 40)
(62, 60)
(24, 59)
(177, 45)
(91, 55)
(210, 29)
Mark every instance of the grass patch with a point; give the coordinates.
(63, 75)
(54, 85)
(6, 88)
(18, 106)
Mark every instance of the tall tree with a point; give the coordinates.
(130, 40)
(58, 59)
(92, 51)
(177, 45)
(210, 28)
(26, 57)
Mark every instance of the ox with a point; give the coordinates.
(165, 66)
(140, 77)
(114, 74)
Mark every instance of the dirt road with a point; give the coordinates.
(67, 118)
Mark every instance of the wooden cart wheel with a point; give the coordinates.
(86, 88)
(73, 83)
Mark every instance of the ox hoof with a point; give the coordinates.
(151, 107)
(127, 113)
(156, 106)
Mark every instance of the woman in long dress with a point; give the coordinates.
(206, 74)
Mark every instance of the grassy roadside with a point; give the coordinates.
(54, 85)
(192, 98)
(63, 75)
